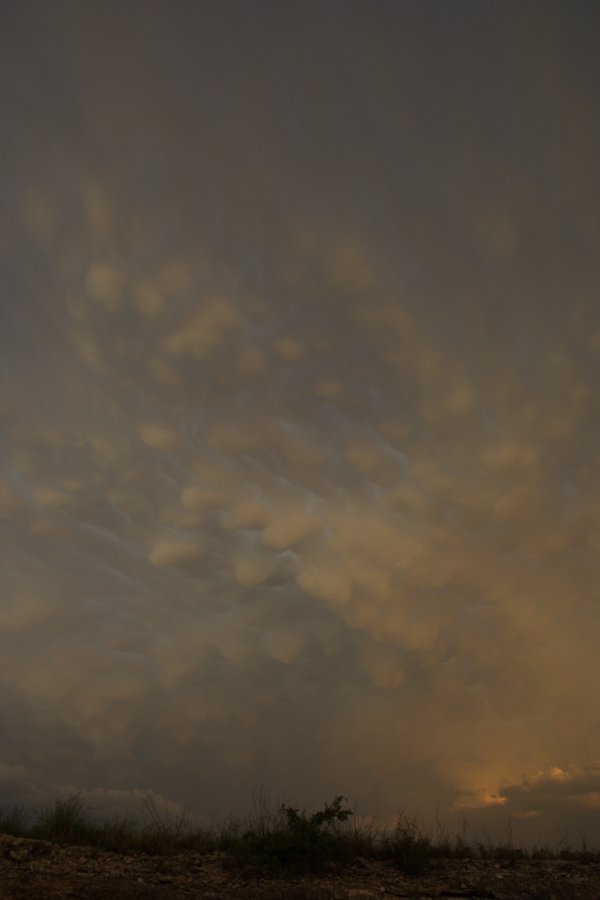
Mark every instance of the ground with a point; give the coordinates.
(39, 869)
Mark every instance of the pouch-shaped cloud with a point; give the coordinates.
(21, 609)
(298, 450)
(287, 526)
(383, 665)
(289, 349)
(253, 566)
(347, 265)
(149, 301)
(196, 498)
(511, 455)
(329, 388)
(104, 284)
(176, 553)
(283, 644)
(325, 583)
(204, 331)
(251, 569)
(300, 431)
(251, 363)
(159, 438)
(240, 438)
(90, 351)
(249, 511)
(52, 498)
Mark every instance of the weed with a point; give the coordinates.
(65, 821)
(408, 846)
(14, 820)
(298, 842)
(286, 839)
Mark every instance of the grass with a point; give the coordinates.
(285, 840)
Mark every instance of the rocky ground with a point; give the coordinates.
(39, 869)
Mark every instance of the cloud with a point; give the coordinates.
(554, 805)
(251, 569)
(383, 665)
(283, 645)
(305, 445)
(204, 331)
(289, 349)
(251, 363)
(22, 609)
(149, 301)
(288, 526)
(172, 552)
(322, 583)
(347, 266)
(51, 498)
(232, 439)
(104, 284)
(90, 351)
(549, 789)
(329, 388)
(160, 438)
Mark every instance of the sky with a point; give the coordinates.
(299, 361)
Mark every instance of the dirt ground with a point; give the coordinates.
(38, 869)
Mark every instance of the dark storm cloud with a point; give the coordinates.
(299, 354)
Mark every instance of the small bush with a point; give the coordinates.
(331, 813)
(14, 820)
(284, 839)
(300, 842)
(408, 847)
(65, 821)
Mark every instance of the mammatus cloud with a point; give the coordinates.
(298, 482)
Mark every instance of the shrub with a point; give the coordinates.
(65, 821)
(408, 846)
(14, 820)
(300, 842)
